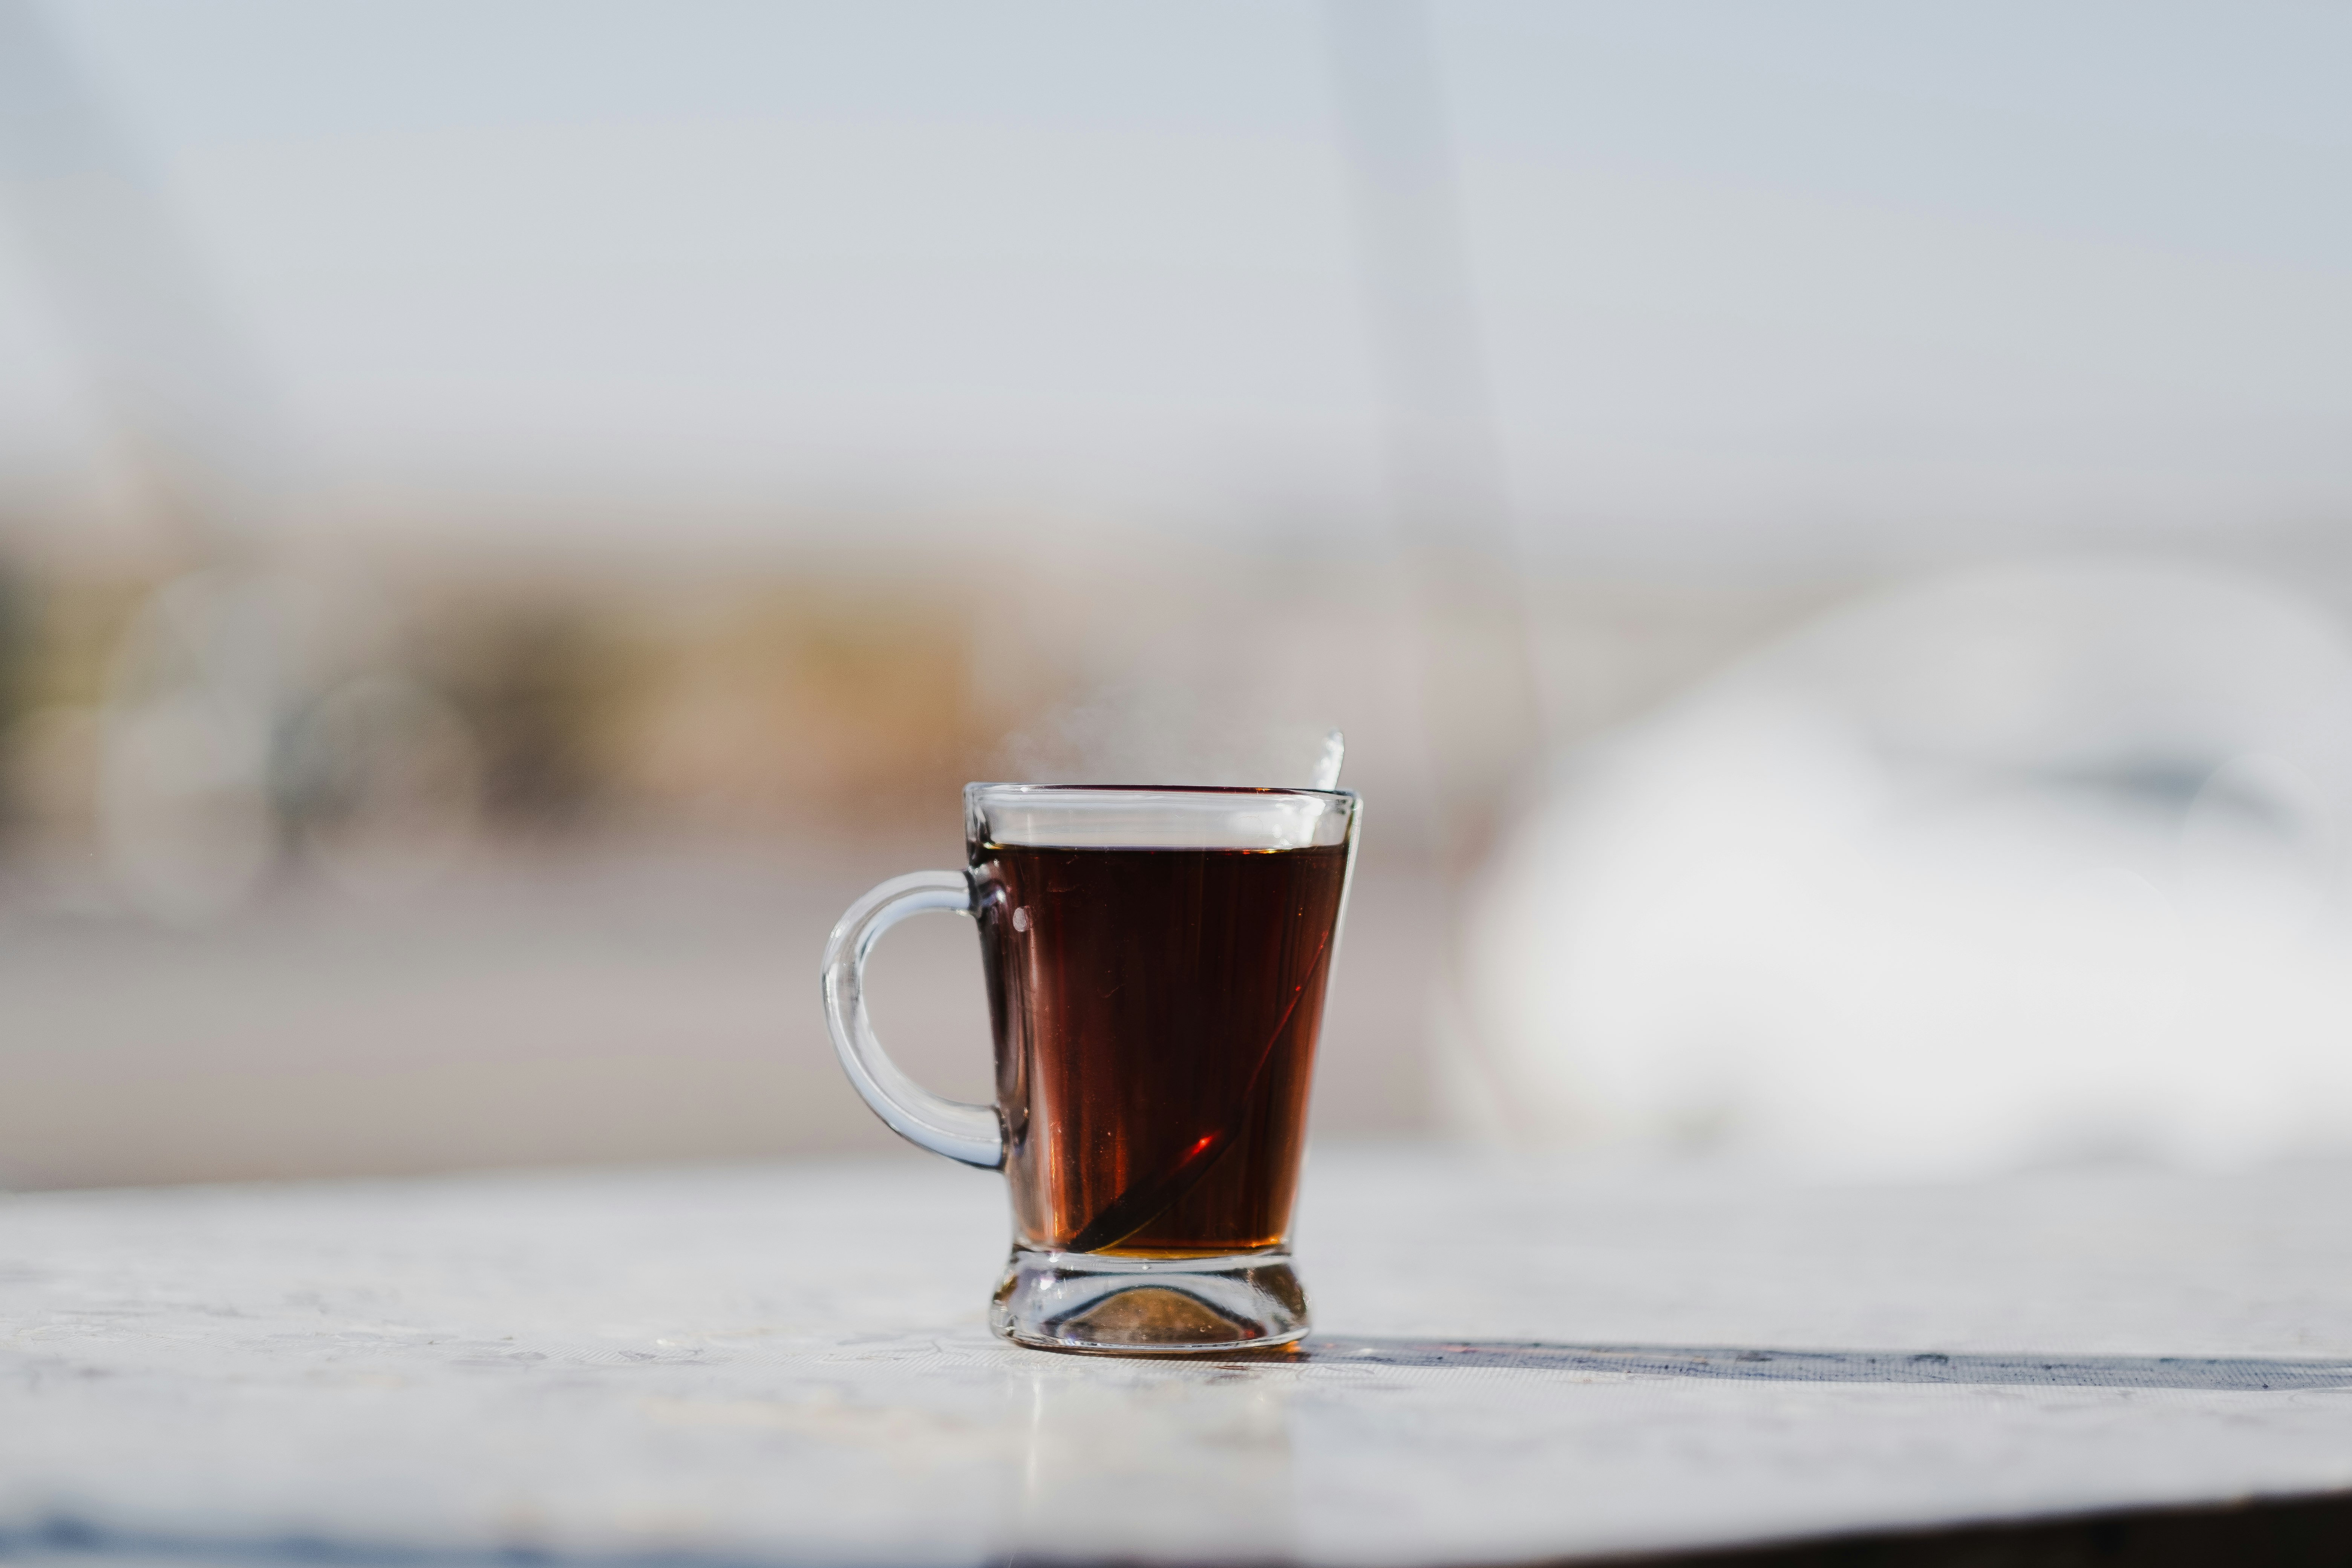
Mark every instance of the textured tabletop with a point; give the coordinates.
(788, 1364)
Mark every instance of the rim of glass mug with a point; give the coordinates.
(1156, 816)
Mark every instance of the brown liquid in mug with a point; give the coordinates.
(1156, 1012)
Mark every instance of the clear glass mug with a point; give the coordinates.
(1157, 961)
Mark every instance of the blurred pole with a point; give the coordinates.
(243, 711)
(1481, 710)
(183, 398)
(1445, 470)
(199, 693)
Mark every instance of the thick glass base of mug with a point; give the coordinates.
(1089, 1303)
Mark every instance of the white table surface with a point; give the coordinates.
(789, 1364)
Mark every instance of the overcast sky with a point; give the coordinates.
(1746, 279)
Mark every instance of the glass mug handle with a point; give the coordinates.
(972, 1133)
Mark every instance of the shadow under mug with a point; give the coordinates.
(1157, 961)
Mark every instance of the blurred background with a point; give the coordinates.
(1828, 530)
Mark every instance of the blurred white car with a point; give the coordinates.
(2032, 864)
